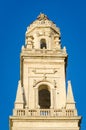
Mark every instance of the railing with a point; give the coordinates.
(45, 112)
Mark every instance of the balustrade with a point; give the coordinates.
(44, 112)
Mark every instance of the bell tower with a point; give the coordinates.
(41, 101)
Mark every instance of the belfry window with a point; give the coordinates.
(43, 44)
(44, 97)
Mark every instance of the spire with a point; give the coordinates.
(19, 102)
(70, 98)
(70, 103)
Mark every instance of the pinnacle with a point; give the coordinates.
(70, 98)
(19, 95)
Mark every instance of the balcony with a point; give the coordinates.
(45, 112)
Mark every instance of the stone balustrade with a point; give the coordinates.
(45, 112)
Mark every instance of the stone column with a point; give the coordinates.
(36, 98)
(51, 98)
(54, 96)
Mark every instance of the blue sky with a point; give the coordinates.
(15, 16)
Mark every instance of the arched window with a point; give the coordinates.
(43, 44)
(44, 97)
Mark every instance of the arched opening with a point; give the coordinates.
(44, 97)
(43, 44)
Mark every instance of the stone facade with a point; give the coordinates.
(41, 100)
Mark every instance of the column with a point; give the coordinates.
(51, 98)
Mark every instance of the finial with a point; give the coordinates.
(42, 16)
(65, 51)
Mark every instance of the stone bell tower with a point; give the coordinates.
(41, 100)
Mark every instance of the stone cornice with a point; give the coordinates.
(46, 53)
(62, 118)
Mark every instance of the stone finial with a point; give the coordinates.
(22, 48)
(42, 17)
(64, 49)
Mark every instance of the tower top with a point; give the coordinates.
(43, 33)
(42, 21)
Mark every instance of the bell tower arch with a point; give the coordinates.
(45, 95)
